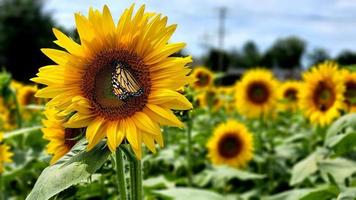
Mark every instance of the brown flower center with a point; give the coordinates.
(258, 93)
(29, 97)
(116, 100)
(290, 94)
(350, 93)
(203, 79)
(71, 136)
(229, 146)
(324, 96)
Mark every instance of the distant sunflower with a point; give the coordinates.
(204, 77)
(288, 95)
(26, 95)
(256, 93)
(5, 154)
(61, 140)
(350, 90)
(210, 98)
(121, 81)
(15, 85)
(321, 96)
(231, 144)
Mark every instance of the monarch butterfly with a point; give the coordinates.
(124, 83)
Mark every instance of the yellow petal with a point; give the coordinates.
(162, 115)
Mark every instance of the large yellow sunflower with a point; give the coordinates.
(231, 144)
(204, 77)
(350, 90)
(5, 154)
(256, 93)
(121, 81)
(321, 96)
(61, 139)
(288, 96)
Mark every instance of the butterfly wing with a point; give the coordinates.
(125, 84)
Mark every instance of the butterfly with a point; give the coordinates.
(124, 83)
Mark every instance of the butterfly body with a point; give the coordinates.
(125, 85)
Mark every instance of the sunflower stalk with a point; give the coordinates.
(120, 175)
(2, 189)
(135, 173)
(189, 149)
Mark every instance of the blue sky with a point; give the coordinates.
(330, 24)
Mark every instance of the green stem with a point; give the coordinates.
(189, 150)
(138, 176)
(135, 174)
(120, 175)
(1, 188)
(18, 113)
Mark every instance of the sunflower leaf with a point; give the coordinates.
(188, 193)
(76, 166)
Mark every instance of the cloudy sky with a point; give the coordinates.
(330, 24)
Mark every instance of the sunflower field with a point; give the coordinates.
(119, 114)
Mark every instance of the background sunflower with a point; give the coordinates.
(256, 93)
(321, 96)
(231, 144)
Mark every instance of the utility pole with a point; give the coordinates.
(221, 35)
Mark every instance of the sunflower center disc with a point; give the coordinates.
(98, 86)
(324, 97)
(291, 94)
(229, 146)
(203, 79)
(350, 93)
(258, 93)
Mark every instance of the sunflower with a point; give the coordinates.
(15, 85)
(121, 82)
(321, 96)
(256, 93)
(203, 76)
(288, 96)
(231, 144)
(26, 95)
(210, 98)
(61, 139)
(5, 154)
(350, 90)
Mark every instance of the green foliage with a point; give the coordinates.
(76, 166)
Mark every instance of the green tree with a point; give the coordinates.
(251, 55)
(285, 53)
(24, 30)
(346, 58)
(318, 55)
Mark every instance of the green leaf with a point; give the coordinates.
(76, 166)
(339, 168)
(347, 194)
(21, 131)
(342, 144)
(321, 193)
(221, 175)
(229, 173)
(304, 168)
(340, 126)
(189, 193)
(157, 182)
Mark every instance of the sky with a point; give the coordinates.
(330, 24)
